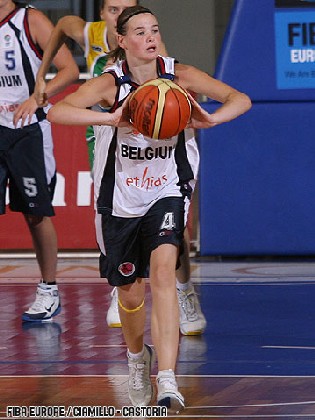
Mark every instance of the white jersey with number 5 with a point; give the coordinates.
(20, 59)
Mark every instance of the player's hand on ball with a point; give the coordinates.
(125, 115)
(200, 118)
(121, 117)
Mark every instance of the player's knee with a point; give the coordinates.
(131, 296)
(33, 220)
(163, 276)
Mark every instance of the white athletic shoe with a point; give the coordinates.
(112, 317)
(139, 382)
(168, 395)
(46, 304)
(191, 318)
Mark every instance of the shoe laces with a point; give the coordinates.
(168, 382)
(187, 303)
(137, 375)
(42, 299)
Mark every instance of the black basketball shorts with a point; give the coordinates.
(130, 241)
(27, 167)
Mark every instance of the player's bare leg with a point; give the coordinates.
(45, 243)
(165, 324)
(140, 356)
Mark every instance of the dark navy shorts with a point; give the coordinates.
(27, 168)
(130, 241)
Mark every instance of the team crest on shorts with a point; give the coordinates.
(126, 269)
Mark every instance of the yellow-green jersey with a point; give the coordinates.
(96, 54)
(96, 46)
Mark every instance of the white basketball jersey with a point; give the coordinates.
(137, 170)
(20, 59)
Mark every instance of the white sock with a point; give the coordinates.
(169, 371)
(183, 286)
(134, 356)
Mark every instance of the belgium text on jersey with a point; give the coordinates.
(10, 81)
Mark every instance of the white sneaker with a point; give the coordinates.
(139, 382)
(191, 319)
(168, 395)
(112, 317)
(46, 304)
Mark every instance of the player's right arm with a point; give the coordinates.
(73, 109)
(67, 27)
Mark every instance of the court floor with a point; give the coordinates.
(256, 358)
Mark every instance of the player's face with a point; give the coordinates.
(111, 11)
(143, 38)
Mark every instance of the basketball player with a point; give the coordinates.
(97, 39)
(145, 225)
(26, 148)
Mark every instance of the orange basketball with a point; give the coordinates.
(159, 109)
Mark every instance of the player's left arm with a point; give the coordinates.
(234, 103)
(40, 30)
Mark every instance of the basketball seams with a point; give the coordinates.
(163, 89)
(180, 111)
(159, 109)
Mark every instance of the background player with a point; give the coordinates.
(96, 39)
(26, 148)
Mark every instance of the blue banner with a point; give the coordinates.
(295, 48)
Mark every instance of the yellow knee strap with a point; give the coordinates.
(130, 311)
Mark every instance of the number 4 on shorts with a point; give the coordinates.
(168, 221)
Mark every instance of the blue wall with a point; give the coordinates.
(257, 176)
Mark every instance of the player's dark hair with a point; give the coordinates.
(123, 19)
